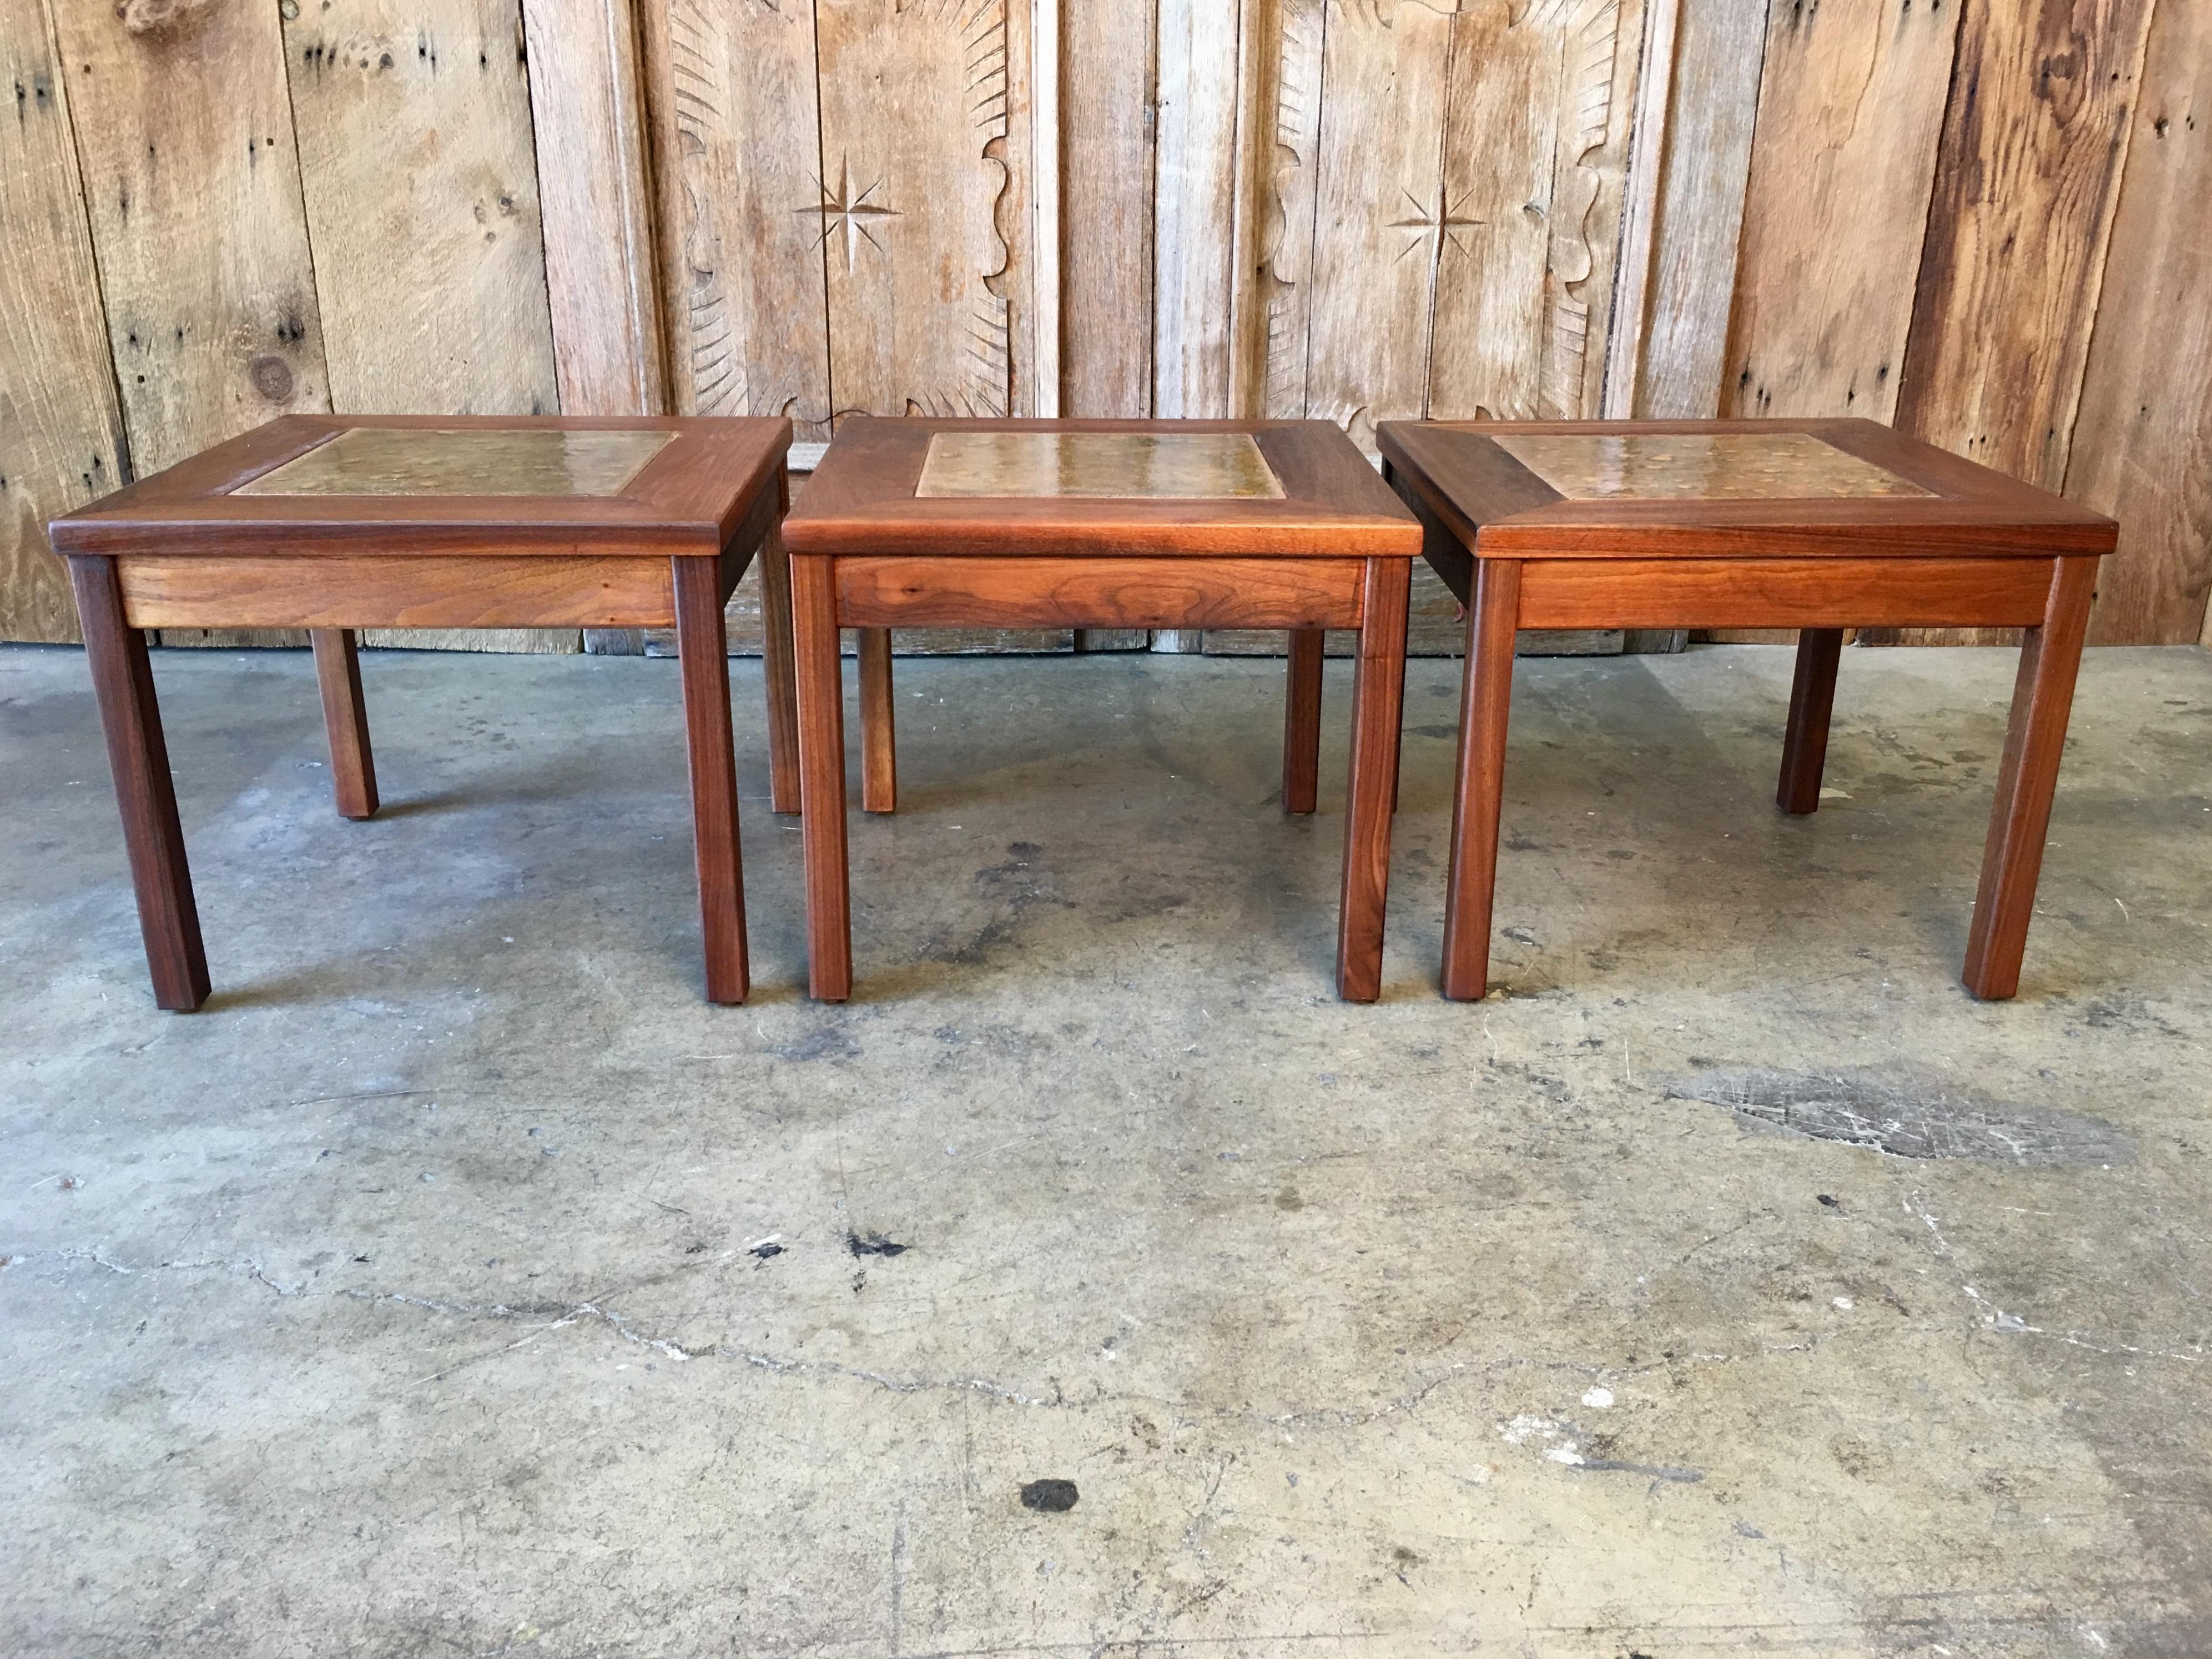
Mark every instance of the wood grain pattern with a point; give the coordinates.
(1371, 793)
(1196, 202)
(61, 434)
(184, 129)
(1301, 721)
(1851, 114)
(1106, 86)
(1486, 704)
(123, 685)
(588, 112)
(744, 226)
(1812, 703)
(1754, 593)
(1380, 225)
(1099, 591)
(433, 297)
(698, 589)
(925, 147)
(1712, 113)
(369, 592)
(878, 730)
(2027, 777)
(822, 779)
(1993, 368)
(2143, 442)
(1287, 92)
(345, 720)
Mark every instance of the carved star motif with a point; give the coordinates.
(841, 210)
(1434, 226)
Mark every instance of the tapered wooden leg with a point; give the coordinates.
(1812, 699)
(776, 672)
(345, 716)
(821, 777)
(123, 685)
(1377, 693)
(1301, 722)
(702, 649)
(878, 750)
(2012, 859)
(1485, 702)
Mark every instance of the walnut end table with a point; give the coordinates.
(335, 523)
(922, 522)
(1818, 526)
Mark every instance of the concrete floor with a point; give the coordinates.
(456, 1283)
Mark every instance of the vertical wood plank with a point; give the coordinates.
(61, 434)
(1380, 223)
(1850, 113)
(1523, 233)
(1106, 208)
(2033, 148)
(2143, 442)
(925, 143)
(420, 187)
(1289, 93)
(746, 216)
(1046, 238)
(1194, 274)
(183, 130)
(588, 123)
(1639, 211)
(1704, 165)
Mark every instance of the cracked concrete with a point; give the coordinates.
(458, 1283)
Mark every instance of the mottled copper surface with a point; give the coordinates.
(1714, 466)
(1218, 466)
(381, 461)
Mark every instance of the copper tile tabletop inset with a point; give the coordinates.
(1105, 465)
(1708, 466)
(382, 460)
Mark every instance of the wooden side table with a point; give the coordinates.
(337, 523)
(1100, 524)
(1814, 525)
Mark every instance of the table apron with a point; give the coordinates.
(1887, 592)
(1181, 592)
(399, 590)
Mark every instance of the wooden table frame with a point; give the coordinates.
(1977, 549)
(179, 550)
(865, 552)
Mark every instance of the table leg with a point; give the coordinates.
(1486, 703)
(345, 716)
(1812, 699)
(777, 672)
(2012, 859)
(1301, 722)
(878, 752)
(702, 650)
(1378, 689)
(821, 777)
(123, 685)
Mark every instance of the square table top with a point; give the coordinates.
(1061, 489)
(1722, 489)
(308, 484)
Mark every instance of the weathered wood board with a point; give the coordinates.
(420, 184)
(2143, 440)
(1850, 113)
(1196, 200)
(594, 192)
(61, 434)
(925, 205)
(745, 218)
(1711, 112)
(1287, 89)
(1105, 232)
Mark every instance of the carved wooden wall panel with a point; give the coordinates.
(924, 204)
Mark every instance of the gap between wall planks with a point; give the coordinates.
(61, 432)
(2143, 440)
